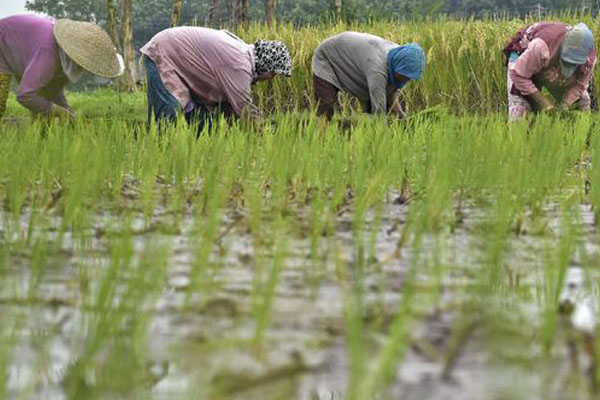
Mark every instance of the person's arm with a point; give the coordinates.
(237, 88)
(540, 102)
(58, 97)
(37, 75)
(532, 61)
(377, 83)
(582, 83)
(55, 111)
(365, 105)
(55, 93)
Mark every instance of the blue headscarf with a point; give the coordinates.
(407, 60)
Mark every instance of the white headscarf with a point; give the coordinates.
(71, 69)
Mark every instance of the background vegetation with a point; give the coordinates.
(151, 16)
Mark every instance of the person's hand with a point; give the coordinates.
(252, 118)
(397, 111)
(395, 108)
(562, 109)
(61, 113)
(541, 103)
(252, 122)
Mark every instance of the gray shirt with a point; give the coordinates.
(357, 63)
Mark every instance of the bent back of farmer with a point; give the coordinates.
(551, 55)
(45, 54)
(201, 70)
(365, 66)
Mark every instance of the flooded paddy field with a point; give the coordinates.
(442, 258)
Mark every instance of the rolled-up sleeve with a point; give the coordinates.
(532, 61)
(40, 71)
(582, 83)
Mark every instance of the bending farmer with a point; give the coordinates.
(366, 66)
(44, 55)
(553, 55)
(201, 70)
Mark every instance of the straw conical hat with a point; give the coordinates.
(89, 46)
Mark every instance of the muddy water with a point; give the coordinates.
(198, 338)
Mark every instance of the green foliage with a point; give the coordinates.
(153, 14)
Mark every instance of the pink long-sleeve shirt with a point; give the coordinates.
(29, 51)
(205, 66)
(539, 67)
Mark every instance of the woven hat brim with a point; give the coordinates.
(89, 46)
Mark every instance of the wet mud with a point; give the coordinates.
(203, 327)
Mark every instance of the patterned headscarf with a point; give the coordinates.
(272, 56)
(407, 60)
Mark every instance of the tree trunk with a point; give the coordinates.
(233, 11)
(213, 5)
(338, 10)
(130, 76)
(270, 12)
(244, 13)
(176, 15)
(112, 23)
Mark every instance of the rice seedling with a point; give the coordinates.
(302, 259)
